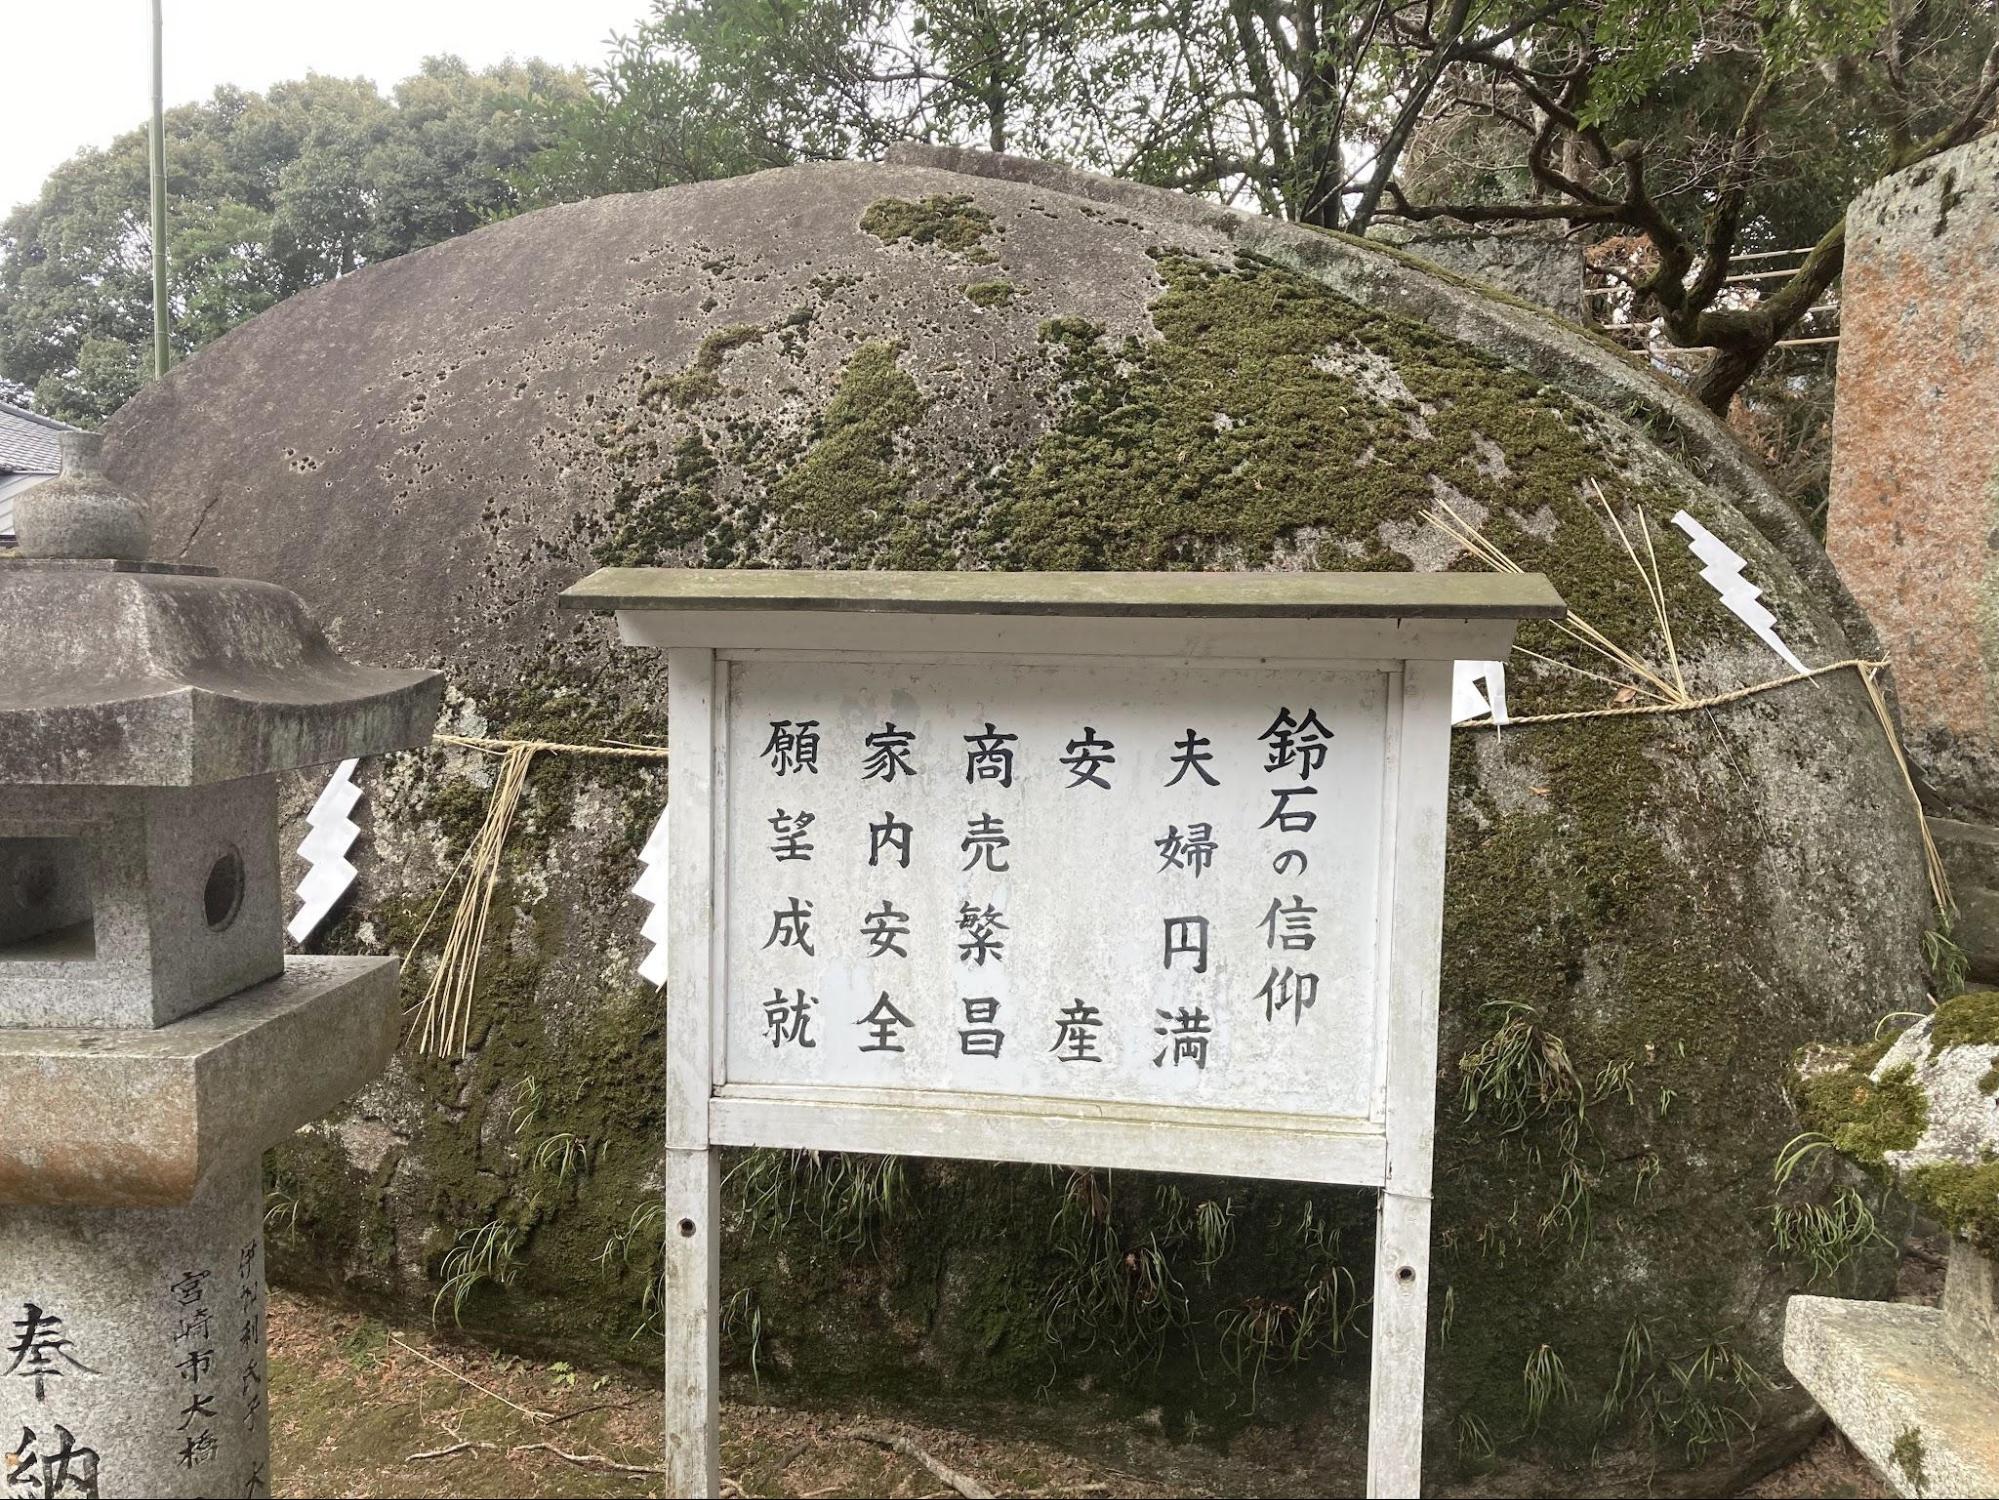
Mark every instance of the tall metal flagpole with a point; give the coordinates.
(159, 155)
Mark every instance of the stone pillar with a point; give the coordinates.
(1913, 525)
(153, 1038)
(135, 1347)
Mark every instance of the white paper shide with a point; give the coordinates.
(331, 832)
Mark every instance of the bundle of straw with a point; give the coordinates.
(441, 1022)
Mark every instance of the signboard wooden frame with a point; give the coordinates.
(1408, 627)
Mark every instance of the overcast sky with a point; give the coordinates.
(76, 73)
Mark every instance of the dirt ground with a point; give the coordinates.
(363, 1409)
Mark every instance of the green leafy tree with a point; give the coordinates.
(1296, 107)
(1711, 130)
(267, 194)
(1704, 128)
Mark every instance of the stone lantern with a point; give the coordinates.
(153, 1038)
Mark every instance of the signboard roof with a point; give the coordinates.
(1402, 596)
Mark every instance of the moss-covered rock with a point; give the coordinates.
(1918, 1109)
(1969, 1020)
(1645, 916)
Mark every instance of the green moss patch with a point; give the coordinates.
(991, 293)
(1907, 1455)
(1865, 1118)
(652, 516)
(1963, 1197)
(1273, 418)
(1970, 1020)
(948, 221)
(850, 484)
(701, 380)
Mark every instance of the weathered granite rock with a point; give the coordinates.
(1542, 265)
(957, 360)
(1914, 518)
(1921, 1107)
(1911, 1387)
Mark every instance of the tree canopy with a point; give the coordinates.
(1692, 131)
(267, 194)
(1703, 127)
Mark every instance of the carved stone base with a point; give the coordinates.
(1913, 1388)
(132, 1347)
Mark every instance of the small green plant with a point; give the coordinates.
(563, 1153)
(1263, 1331)
(1615, 1078)
(850, 1200)
(862, 1196)
(1318, 1237)
(638, 1241)
(486, 1254)
(1629, 1380)
(1518, 1074)
(527, 1110)
(1699, 1400)
(743, 1328)
(1828, 1235)
(1574, 1207)
(1258, 1332)
(1474, 1441)
(283, 1208)
(1798, 1150)
(1946, 961)
(1647, 1173)
(1666, 1098)
(1450, 1315)
(1544, 1380)
(1214, 1228)
(641, 1228)
(1108, 1288)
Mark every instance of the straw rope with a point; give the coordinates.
(442, 1021)
(1868, 670)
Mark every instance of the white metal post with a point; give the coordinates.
(1415, 901)
(691, 1295)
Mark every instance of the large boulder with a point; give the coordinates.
(956, 361)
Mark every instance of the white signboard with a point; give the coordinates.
(1116, 881)
(1138, 871)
